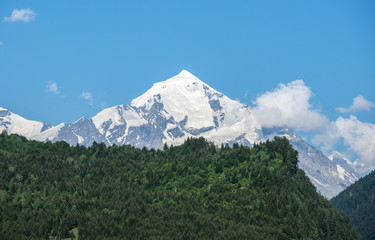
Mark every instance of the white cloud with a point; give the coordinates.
(88, 96)
(288, 105)
(23, 15)
(359, 136)
(52, 87)
(359, 104)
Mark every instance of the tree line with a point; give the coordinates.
(193, 191)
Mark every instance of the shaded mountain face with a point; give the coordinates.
(173, 110)
(358, 202)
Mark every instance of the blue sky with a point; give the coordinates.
(61, 60)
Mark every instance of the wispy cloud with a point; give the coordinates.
(1, 44)
(103, 105)
(357, 135)
(288, 105)
(52, 88)
(359, 104)
(22, 15)
(88, 96)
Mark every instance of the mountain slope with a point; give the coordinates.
(172, 110)
(192, 191)
(184, 106)
(358, 202)
(330, 176)
(13, 123)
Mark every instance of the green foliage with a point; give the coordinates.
(358, 202)
(193, 191)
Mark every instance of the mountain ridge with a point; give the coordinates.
(180, 107)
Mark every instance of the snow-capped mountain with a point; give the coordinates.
(82, 131)
(14, 123)
(173, 110)
(343, 163)
(348, 165)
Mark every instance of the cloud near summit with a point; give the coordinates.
(359, 136)
(288, 105)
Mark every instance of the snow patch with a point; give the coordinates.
(80, 139)
(50, 133)
(341, 172)
(318, 182)
(133, 119)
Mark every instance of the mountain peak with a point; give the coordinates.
(180, 91)
(81, 119)
(185, 74)
(183, 77)
(335, 155)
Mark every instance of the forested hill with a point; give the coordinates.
(193, 191)
(358, 202)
